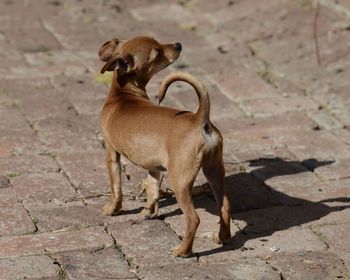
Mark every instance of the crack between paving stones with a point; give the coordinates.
(76, 189)
(62, 274)
(60, 40)
(335, 6)
(347, 272)
(275, 269)
(51, 154)
(49, 29)
(237, 103)
(319, 235)
(67, 98)
(266, 73)
(32, 218)
(23, 115)
(133, 268)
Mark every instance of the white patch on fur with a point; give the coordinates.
(211, 140)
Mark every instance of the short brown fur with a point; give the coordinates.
(159, 138)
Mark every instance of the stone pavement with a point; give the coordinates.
(285, 121)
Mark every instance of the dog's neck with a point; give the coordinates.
(130, 86)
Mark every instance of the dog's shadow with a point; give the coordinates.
(275, 210)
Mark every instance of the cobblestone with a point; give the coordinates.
(284, 117)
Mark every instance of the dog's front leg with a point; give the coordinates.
(152, 185)
(114, 170)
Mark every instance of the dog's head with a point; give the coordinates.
(138, 58)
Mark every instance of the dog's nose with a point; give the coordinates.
(178, 47)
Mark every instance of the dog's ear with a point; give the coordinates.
(123, 65)
(153, 55)
(107, 50)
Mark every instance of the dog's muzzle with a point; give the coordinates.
(178, 47)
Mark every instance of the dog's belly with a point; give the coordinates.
(149, 163)
(147, 154)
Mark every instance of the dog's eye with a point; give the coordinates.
(158, 51)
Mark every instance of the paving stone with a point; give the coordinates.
(323, 265)
(281, 174)
(343, 135)
(321, 191)
(54, 242)
(53, 188)
(343, 115)
(4, 182)
(247, 141)
(240, 269)
(268, 220)
(144, 243)
(69, 134)
(278, 105)
(207, 212)
(266, 126)
(80, 88)
(296, 42)
(74, 30)
(106, 263)
(240, 9)
(130, 212)
(320, 145)
(166, 12)
(67, 216)
(40, 40)
(14, 219)
(337, 239)
(290, 240)
(10, 112)
(339, 212)
(221, 105)
(16, 165)
(52, 63)
(246, 192)
(262, 246)
(87, 171)
(261, 157)
(241, 84)
(40, 105)
(337, 170)
(24, 87)
(8, 54)
(288, 20)
(325, 120)
(32, 267)
(20, 143)
(334, 94)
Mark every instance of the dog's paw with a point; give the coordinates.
(112, 208)
(220, 239)
(178, 251)
(148, 214)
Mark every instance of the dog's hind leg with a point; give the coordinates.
(182, 181)
(213, 169)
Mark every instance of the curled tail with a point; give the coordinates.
(202, 114)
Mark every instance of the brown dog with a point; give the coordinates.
(159, 138)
